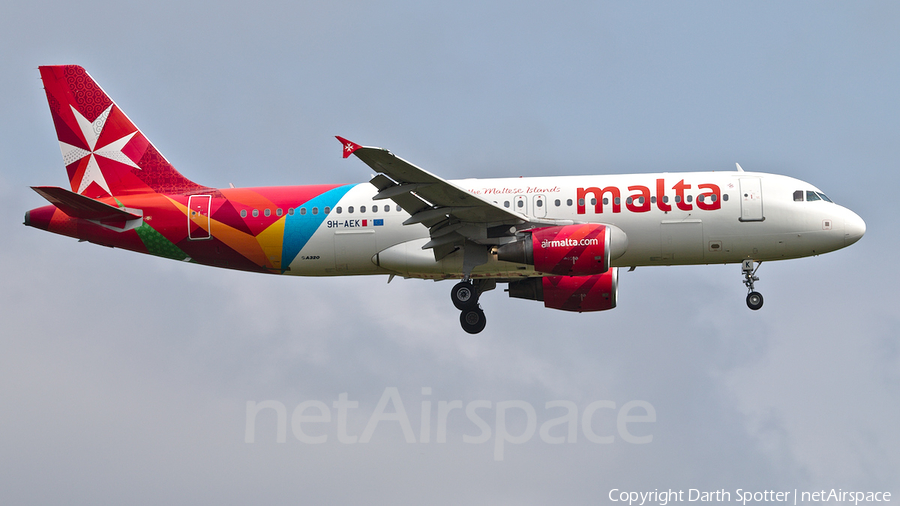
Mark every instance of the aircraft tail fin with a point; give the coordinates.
(104, 153)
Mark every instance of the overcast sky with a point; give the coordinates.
(126, 378)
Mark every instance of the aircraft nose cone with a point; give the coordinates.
(854, 229)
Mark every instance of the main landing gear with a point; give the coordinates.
(465, 297)
(754, 298)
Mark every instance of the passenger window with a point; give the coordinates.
(810, 196)
(725, 197)
(326, 210)
(255, 213)
(506, 204)
(338, 209)
(350, 209)
(302, 211)
(267, 213)
(290, 211)
(652, 200)
(690, 198)
(243, 213)
(569, 202)
(557, 202)
(539, 203)
(315, 210)
(362, 209)
(278, 212)
(520, 203)
(798, 196)
(594, 201)
(398, 208)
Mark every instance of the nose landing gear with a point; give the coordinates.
(754, 298)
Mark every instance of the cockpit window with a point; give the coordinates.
(811, 196)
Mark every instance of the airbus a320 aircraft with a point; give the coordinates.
(557, 239)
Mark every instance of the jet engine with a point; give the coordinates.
(570, 250)
(571, 293)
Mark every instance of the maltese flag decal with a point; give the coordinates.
(349, 146)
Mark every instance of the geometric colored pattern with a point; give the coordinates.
(571, 250)
(109, 159)
(104, 153)
(581, 293)
(299, 228)
(158, 245)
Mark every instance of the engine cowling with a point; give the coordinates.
(570, 250)
(571, 293)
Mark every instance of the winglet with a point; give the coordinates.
(349, 146)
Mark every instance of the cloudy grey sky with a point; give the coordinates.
(125, 378)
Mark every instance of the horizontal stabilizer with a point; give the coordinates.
(79, 206)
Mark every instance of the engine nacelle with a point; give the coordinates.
(571, 293)
(570, 250)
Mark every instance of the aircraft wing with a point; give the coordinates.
(452, 214)
(428, 199)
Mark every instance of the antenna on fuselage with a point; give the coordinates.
(739, 167)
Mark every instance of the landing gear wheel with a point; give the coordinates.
(464, 296)
(472, 320)
(754, 300)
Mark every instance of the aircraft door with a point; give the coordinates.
(751, 199)
(198, 217)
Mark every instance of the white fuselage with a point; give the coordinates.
(741, 215)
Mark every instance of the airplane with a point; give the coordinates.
(558, 239)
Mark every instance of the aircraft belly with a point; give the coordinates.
(408, 259)
(722, 239)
